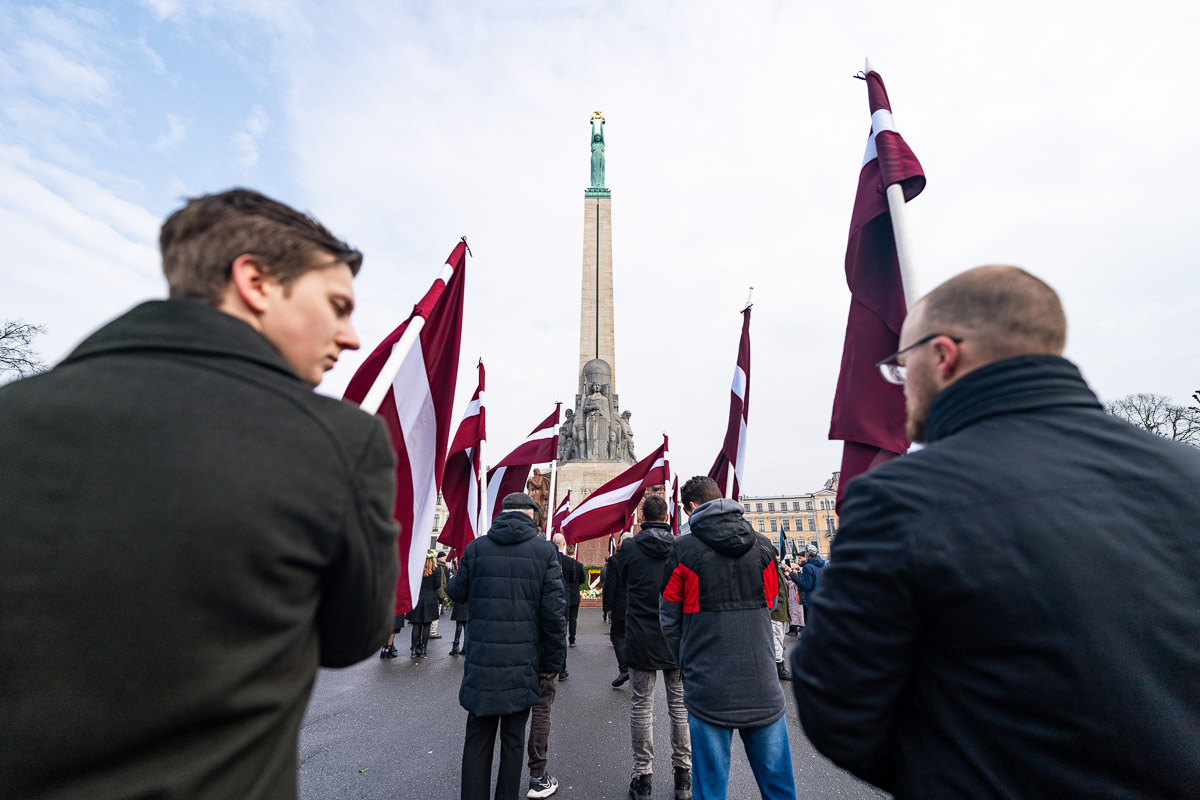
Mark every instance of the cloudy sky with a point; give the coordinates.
(1056, 136)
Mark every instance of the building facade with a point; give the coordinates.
(802, 518)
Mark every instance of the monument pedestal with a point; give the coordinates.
(583, 478)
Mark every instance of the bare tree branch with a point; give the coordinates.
(1157, 414)
(17, 355)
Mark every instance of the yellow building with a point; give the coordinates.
(803, 518)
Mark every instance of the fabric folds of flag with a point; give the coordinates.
(610, 509)
(868, 412)
(460, 484)
(418, 412)
(561, 513)
(511, 473)
(733, 451)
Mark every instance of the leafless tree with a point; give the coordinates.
(1160, 416)
(17, 356)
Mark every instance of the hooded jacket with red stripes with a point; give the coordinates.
(715, 614)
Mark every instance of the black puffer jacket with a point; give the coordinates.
(638, 571)
(573, 577)
(512, 586)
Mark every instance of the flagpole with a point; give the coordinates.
(552, 501)
(483, 495)
(895, 198)
(391, 367)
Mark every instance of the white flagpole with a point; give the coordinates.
(483, 495)
(895, 198)
(552, 501)
(391, 367)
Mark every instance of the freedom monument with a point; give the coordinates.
(595, 441)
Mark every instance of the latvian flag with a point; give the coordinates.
(611, 508)
(561, 513)
(510, 475)
(418, 411)
(868, 412)
(733, 451)
(460, 486)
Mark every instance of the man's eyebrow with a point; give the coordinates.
(346, 300)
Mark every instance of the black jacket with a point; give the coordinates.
(807, 578)
(1014, 611)
(715, 614)
(512, 584)
(573, 577)
(639, 575)
(428, 608)
(188, 531)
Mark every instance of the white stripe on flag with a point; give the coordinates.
(611, 497)
(741, 451)
(739, 383)
(494, 488)
(538, 435)
(418, 421)
(473, 495)
(881, 120)
(473, 408)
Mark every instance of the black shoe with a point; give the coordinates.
(415, 653)
(454, 649)
(562, 676)
(640, 788)
(542, 787)
(683, 784)
(620, 679)
(389, 651)
(571, 644)
(784, 675)
(792, 631)
(424, 652)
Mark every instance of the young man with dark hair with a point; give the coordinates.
(190, 531)
(637, 571)
(715, 614)
(973, 635)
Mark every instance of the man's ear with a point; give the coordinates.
(948, 357)
(250, 278)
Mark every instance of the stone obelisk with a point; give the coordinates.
(596, 442)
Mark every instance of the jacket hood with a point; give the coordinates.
(655, 539)
(817, 560)
(1025, 383)
(720, 524)
(512, 527)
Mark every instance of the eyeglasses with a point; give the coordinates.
(898, 373)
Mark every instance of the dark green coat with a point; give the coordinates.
(188, 532)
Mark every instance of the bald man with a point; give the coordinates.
(1013, 611)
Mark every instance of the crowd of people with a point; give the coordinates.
(190, 532)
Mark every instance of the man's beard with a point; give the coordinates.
(914, 426)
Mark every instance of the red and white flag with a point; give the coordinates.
(611, 508)
(510, 475)
(561, 513)
(868, 412)
(418, 411)
(460, 485)
(673, 509)
(733, 451)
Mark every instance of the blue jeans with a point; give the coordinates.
(767, 748)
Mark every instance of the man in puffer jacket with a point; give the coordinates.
(511, 581)
(715, 614)
(637, 571)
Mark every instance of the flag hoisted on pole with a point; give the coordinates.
(510, 475)
(733, 451)
(610, 509)
(868, 412)
(561, 513)
(460, 483)
(409, 381)
(673, 509)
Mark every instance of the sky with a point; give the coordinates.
(1055, 136)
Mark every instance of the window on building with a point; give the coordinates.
(774, 524)
(435, 522)
(795, 505)
(758, 506)
(812, 523)
(762, 525)
(787, 524)
(770, 506)
(815, 544)
(808, 505)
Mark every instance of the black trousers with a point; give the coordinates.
(420, 636)
(572, 622)
(616, 635)
(477, 756)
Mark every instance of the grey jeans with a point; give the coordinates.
(641, 720)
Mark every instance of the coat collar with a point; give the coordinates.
(183, 326)
(1025, 383)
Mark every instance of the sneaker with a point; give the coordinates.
(562, 676)
(683, 784)
(542, 787)
(784, 675)
(641, 787)
(572, 644)
(620, 679)
(435, 636)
